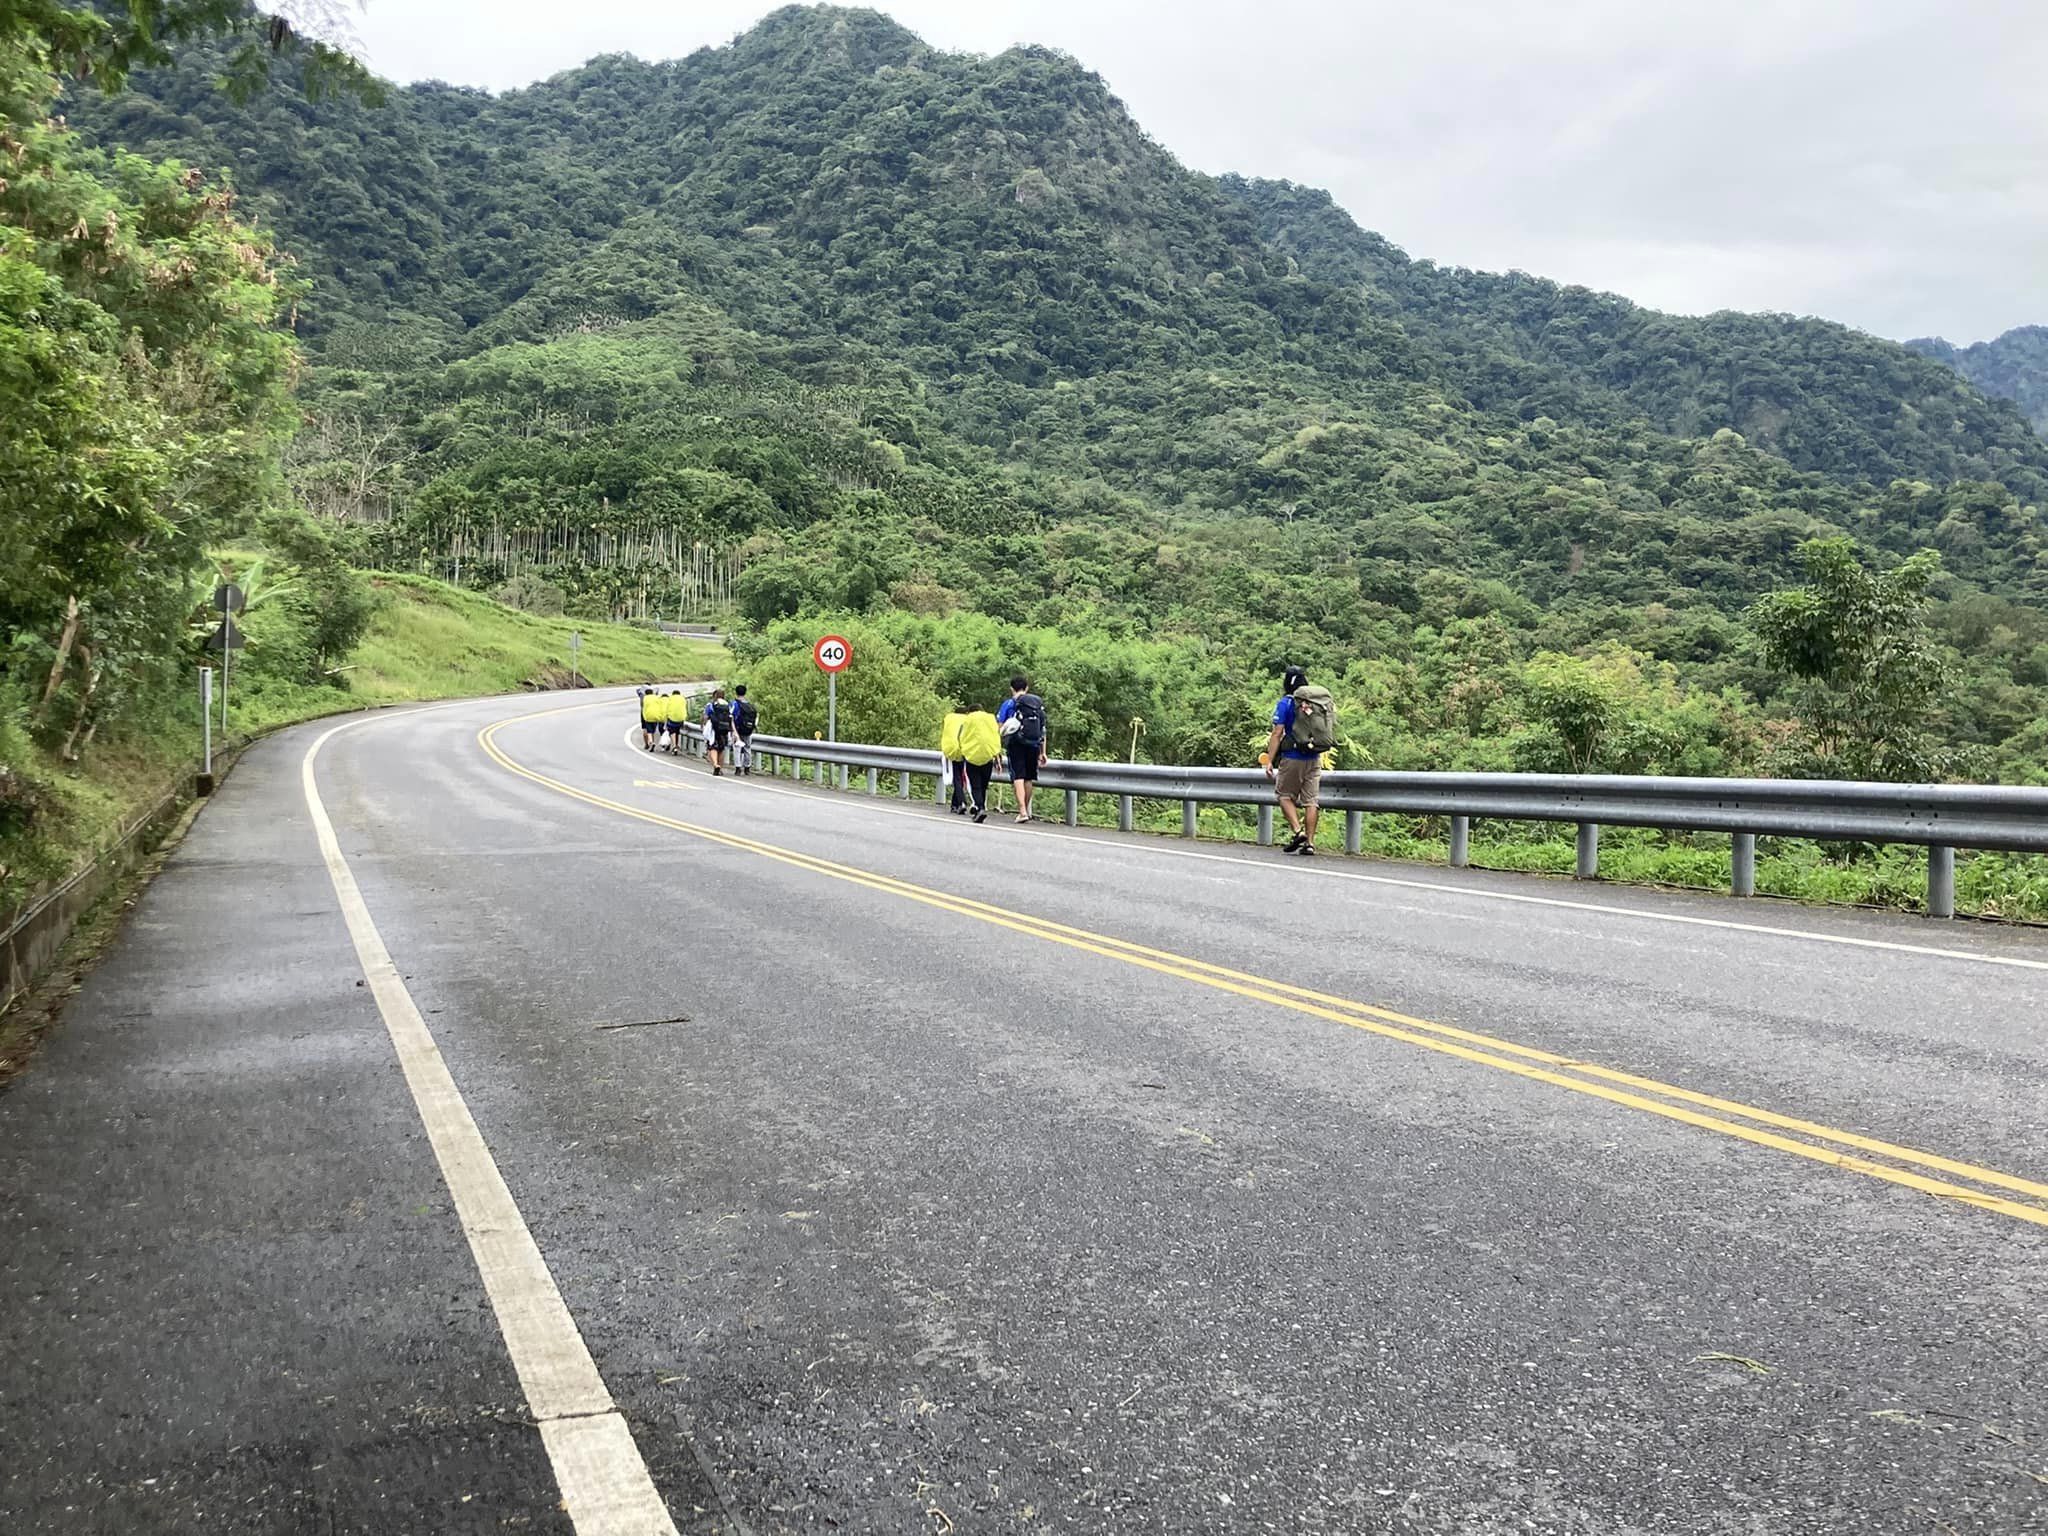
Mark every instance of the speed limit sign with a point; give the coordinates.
(832, 653)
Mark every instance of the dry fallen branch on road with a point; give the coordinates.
(1717, 1358)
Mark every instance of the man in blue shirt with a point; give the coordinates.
(1021, 720)
(1296, 770)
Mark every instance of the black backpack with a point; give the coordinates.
(1030, 720)
(721, 715)
(743, 716)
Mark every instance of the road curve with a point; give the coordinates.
(889, 1174)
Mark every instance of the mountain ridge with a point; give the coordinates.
(860, 158)
(2012, 366)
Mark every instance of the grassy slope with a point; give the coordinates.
(428, 641)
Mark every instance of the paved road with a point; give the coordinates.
(900, 1175)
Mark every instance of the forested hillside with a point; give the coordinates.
(829, 320)
(2010, 367)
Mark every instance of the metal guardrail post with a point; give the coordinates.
(1124, 819)
(1461, 841)
(1941, 881)
(903, 786)
(1073, 817)
(1589, 851)
(1265, 826)
(1742, 865)
(1188, 812)
(938, 789)
(874, 781)
(1354, 831)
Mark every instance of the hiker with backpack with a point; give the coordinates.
(1304, 728)
(717, 730)
(675, 714)
(949, 757)
(744, 718)
(980, 743)
(1022, 726)
(650, 717)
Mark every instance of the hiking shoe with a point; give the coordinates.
(980, 816)
(1295, 844)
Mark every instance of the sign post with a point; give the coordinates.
(228, 600)
(833, 654)
(575, 645)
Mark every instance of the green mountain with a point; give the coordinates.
(2010, 367)
(892, 328)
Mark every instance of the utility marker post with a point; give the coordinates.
(575, 645)
(206, 729)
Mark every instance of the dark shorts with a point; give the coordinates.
(1023, 762)
(720, 740)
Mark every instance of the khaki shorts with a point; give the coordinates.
(1299, 778)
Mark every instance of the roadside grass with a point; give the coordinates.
(430, 640)
(427, 641)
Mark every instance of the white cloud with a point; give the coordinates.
(1881, 162)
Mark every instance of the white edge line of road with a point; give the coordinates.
(1295, 871)
(604, 1481)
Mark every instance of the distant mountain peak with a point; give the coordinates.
(830, 36)
(2012, 367)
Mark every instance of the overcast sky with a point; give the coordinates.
(1882, 162)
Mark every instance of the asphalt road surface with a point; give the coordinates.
(752, 1158)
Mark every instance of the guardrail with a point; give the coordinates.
(1940, 817)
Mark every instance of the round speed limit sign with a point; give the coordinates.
(832, 653)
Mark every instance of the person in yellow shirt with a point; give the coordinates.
(981, 743)
(650, 717)
(949, 749)
(676, 711)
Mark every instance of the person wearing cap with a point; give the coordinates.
(1295, 766)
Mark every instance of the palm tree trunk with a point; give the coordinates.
(65, 641)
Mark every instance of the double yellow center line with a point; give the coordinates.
(1924, 1171)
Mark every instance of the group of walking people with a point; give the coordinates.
(726, 729)
(971, 740)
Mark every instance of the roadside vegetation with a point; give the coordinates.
(420, 640)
